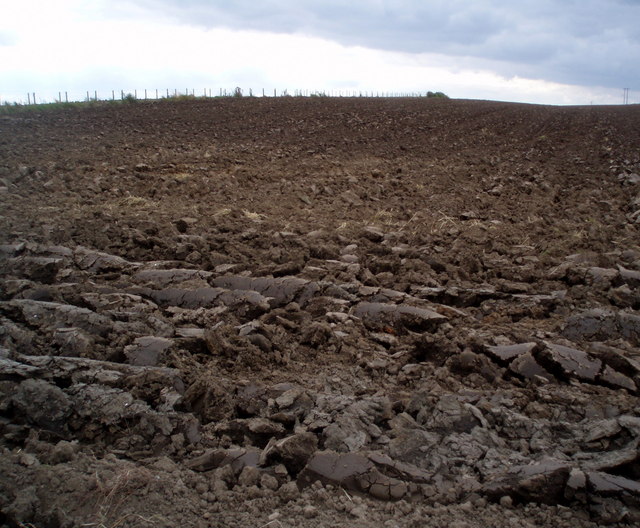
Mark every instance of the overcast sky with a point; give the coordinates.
(538, 51)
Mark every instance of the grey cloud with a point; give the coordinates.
(590, 42)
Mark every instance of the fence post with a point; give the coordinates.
(28, 98)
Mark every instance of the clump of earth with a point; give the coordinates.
(320, 312)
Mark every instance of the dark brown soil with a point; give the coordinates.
(320, 312)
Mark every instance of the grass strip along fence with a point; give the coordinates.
(63, 98)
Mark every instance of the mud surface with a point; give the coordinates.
(320, 312)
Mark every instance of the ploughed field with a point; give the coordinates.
(320, 312)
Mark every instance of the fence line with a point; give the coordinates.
(156, 94)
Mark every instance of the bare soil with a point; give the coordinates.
(320, 312)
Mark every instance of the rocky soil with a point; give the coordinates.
(320, 312)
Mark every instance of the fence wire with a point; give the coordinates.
(35, 98)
